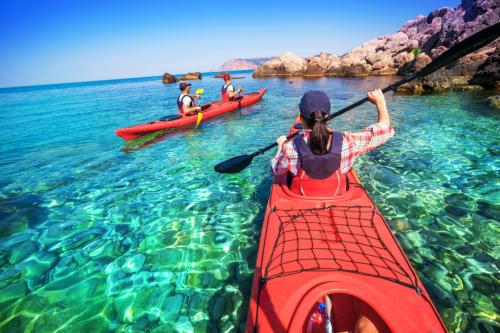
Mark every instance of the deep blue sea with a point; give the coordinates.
(102, 235)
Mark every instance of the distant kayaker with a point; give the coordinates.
(227, 92)
(186, 102)
(319, 158)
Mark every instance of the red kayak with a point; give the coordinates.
(341, 247)
(209, 110)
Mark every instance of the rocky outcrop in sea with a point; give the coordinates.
(191, 76)
(417, 43)
(169, 78)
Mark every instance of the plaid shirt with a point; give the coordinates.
(353, 146)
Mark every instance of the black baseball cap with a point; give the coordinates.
(184, 85)
(313, 101)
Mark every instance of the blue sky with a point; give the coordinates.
(69, 41)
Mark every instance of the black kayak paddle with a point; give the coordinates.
(468, 45)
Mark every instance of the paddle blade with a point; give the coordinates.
(198, 119)
(234, 165)
(200, 91)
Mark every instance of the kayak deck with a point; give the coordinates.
(212, 109)
(311, 247)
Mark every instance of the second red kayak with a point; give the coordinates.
(209, 110)
(340, 247)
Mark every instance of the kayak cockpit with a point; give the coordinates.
(348, 314)
(352, 189)
(172, 117)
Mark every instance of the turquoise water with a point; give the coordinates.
(99, 235)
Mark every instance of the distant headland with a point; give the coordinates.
(243, 64)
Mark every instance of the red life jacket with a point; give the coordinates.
(319, 175)
(180, 102)
(224, 93)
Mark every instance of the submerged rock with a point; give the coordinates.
(134, 263)
(438, 293)
(13, 291)
(123, 306)
(400, 225)
(22, 251)
(38, 264)
(183, 325)
(493, 102)
(171, 308)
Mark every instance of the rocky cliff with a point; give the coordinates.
(242, 64)
(415, 45)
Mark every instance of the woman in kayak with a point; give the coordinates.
(319, 158)
(227, 92)
(185, 101)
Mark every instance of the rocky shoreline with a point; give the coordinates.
(417, 43)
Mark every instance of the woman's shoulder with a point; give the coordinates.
(289, 146)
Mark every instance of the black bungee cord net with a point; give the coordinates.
(331, 238)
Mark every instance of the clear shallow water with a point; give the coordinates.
(98, 235)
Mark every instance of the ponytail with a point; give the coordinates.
(319, 135)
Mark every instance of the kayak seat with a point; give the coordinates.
(290, 178)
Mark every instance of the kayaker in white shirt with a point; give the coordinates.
(186, 102)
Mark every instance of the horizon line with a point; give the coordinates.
(112, 79)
